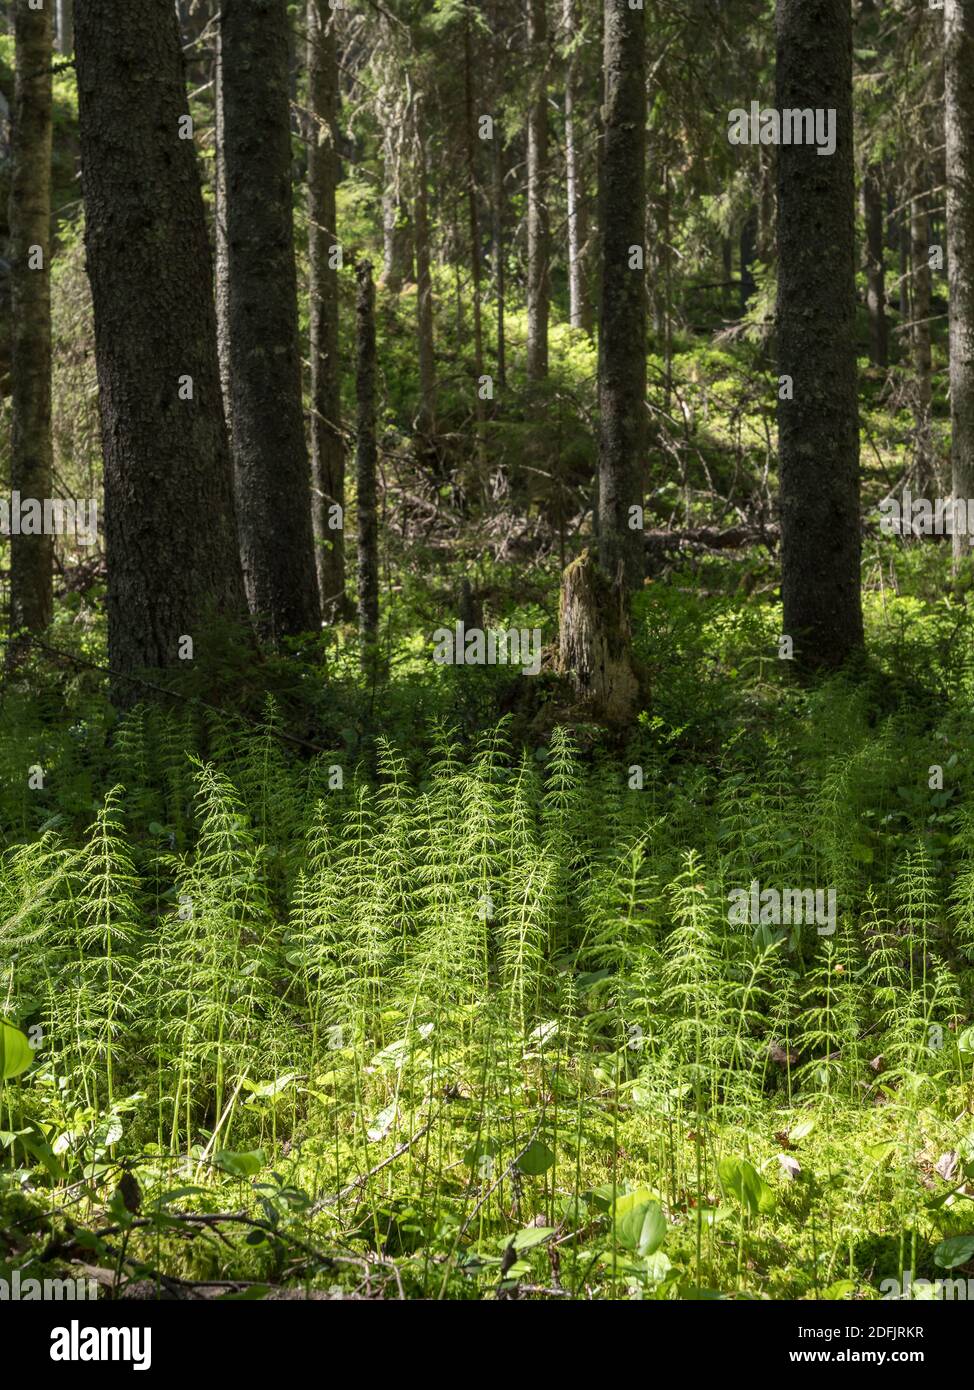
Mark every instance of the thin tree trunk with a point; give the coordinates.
(622, 326)
(221, 266)
(922, 363)
(749, 231)
(65, 26)
(498, 253)
(273, 484)
(31, 459)
(396, 233)
(426, 420)
(538, 219)
(579, 312)
(905, 277)
(474, 225)
(366, 455)
(327, 447)
(498, 195)
(818, 430)
(872, 211)
(169, 514)
(959, 123)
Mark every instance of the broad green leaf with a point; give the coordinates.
(531, 1236)
(241, 1165)
(743, 1181)
(15, 1052)
(536, 1159)
(956, 1250)
(638, 1222)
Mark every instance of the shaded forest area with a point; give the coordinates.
(486, 698)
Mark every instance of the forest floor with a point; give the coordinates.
(441, 1012)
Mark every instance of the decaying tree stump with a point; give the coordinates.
(595, 642)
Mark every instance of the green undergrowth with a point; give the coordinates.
(465, 1017)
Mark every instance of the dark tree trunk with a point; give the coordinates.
(498, 252)
(622, 324)
(749, 232)
(819, 429)
(65, 26)
(169, 514)
(922, 361)
(579, 310)
(872, 211)
(31, 463)
(959, 122)
(270, 455)
(538, 219)
(498, 192)
(426, 418)
(327, 448)
(474, 226)
(366, 464)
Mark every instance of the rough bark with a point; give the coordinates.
(169, 512)
(818, 430)
(327, 447)
(396, 232)
(748, 248)
(872, 212)
(498, 192)
(271, 469)
(537, 214)
(922, 360)
(31, 462)
(426, 418)
(622, 322)
(595, 642)
(473, 214)
(959, 123)
(579, 310)
(366, 456)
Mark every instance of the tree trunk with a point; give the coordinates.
(904, 240)
(366, 455)
(818, 430)
(31, 462)
(426, 419)
(872, 211)
(922, 364)
(595, 642)
(622, 324)
(267, 432)
(579, 313)
(538, 220)
(498, 253)
(169, 516)
(474, 225)
(749, 232)
(498, 192)
(65, 26)
(959, 122)
(396, 237)
(327, 448)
